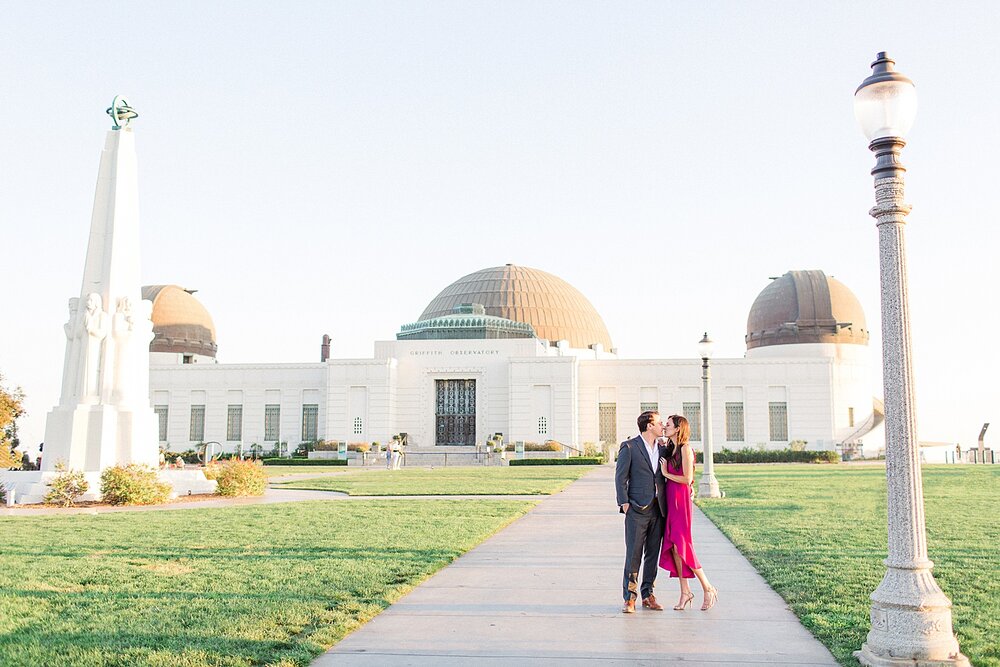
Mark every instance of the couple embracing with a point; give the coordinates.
(653, 479)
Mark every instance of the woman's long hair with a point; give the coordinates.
(679, 440)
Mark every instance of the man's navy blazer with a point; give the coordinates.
(635, 481)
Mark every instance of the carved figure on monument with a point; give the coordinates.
(95, 322)
(73, 332)
(132, 329)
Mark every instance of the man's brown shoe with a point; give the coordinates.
(651, 603)
(629, 607)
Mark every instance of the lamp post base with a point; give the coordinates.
(708, 487)
(870, 659)
(911, 622)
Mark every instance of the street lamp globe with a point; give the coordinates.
(885, 103)
(705, 347)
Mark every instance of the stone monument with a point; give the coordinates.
(104, 417)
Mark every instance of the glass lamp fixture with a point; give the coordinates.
(885, 103)
(705, 347)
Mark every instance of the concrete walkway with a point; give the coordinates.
(547, 591)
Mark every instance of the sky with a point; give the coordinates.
(328, 167)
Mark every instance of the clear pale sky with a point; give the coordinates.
(327, 167)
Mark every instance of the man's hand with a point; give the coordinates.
(625, 508)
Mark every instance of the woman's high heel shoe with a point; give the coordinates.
(685, 602)
(711, 597)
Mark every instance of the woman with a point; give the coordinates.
(677, 555)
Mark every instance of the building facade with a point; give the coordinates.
(518, 351)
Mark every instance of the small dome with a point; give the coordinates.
(805, 307)
(180, 323)
(468, 321)
(555, 309)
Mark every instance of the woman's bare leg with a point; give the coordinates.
(685, 588)
(702, 579)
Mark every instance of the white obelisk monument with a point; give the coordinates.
(104, 417)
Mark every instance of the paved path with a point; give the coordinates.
(547, 591)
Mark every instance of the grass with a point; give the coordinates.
(448, 481)
(277, 471)
(261, 585)
(818, 536)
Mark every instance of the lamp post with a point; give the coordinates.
(708, 487)
(910, 616)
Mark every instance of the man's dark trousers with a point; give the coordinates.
(641, 485)
(643, 535)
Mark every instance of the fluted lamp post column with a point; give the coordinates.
(708, 487)
(910, 615)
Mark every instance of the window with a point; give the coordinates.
(272, 418)
(692, 412)
(197, 432)
(187, 359)
(850, 416)
(649, 406)
(310, 420)
(543, 426)
(734, 422)
(234, 423)
(778, 414)
(358, 426)
(161, 415)
(607, 422)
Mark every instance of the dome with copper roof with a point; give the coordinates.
(555, 309)
(180, 323)
(805, 307)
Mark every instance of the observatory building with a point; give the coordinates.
(518, 351)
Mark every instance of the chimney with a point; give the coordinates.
(324, 350)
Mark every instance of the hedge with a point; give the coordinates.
(305, 462)
(750, 455)
(237, 477)
(575, 461)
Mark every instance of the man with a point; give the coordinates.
(639, 487)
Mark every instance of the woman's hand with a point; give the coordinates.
(663, 467)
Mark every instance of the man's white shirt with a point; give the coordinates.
(652, 452)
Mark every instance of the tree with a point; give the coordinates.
(11, 407)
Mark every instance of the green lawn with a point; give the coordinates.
(277, 471)
(448, 481)
(258, 585)
(818, 535)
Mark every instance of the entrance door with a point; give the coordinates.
(455, 412)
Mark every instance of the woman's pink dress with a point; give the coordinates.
(677, 533)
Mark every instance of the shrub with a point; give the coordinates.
(574, 461)
(304, 462)
(750, 455)
(304, 448)
(66, 487)
(10, 458)
(326, 446)
(238, 478)
(592, 449)
(3, 494)
(133, 484)
(547, 446)
(359, 447)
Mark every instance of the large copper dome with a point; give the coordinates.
(805, 307)
(556, 309)
(180, 323)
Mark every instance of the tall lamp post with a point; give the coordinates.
(708, 487)
(910, 616)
